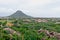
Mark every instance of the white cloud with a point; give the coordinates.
(37, 8)
(6, 12)
(8, 2)
(57, 9)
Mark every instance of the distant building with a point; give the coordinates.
(26, 20)
(57, 23)
(41, 20)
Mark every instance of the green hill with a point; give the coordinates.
(19, 14)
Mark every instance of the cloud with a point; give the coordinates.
(57, 9)
(36, 8)
(6, 12)
(5, 2)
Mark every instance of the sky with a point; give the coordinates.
(35, 8)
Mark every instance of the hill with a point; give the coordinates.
(19, 14)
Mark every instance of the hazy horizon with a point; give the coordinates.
(35, 8)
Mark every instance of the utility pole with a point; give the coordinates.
(7, 20)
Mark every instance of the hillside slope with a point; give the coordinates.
(19, 14)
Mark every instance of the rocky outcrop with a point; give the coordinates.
(50, 34)
(11, 31)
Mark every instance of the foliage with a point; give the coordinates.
(28, 31)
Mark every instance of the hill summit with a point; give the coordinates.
(19, 14)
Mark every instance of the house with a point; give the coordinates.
(57, 23)
(27, 21)
(41, 20)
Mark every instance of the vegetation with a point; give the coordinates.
(27, 30)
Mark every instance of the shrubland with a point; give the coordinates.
(25, 30)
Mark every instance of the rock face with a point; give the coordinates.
(19, 14)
